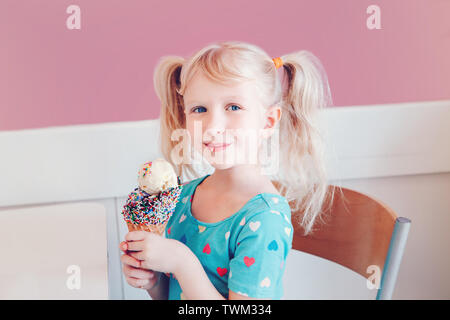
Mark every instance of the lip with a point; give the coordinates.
(217, 146)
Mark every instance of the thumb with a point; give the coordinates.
(123, 246)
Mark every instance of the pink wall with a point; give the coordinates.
(52, 76)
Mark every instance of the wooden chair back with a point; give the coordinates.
(356, 232)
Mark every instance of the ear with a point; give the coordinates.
(271, 118)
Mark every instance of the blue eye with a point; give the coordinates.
(235, 106)
(196, 108)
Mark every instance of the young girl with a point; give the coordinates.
(231, 231)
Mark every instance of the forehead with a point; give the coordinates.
(202, 89)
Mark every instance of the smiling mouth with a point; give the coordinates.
(216, 146)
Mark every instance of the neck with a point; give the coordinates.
(237, 176)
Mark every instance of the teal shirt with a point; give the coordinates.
(245, 252)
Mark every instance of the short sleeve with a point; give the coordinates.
(263, 243)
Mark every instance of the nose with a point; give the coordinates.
(215, 125)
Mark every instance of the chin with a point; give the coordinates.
(222, 166)
(220, 161)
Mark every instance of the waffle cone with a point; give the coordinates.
(157, 228)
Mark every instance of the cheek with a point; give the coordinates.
(191, 125)
(247, 141)
(250, 121)
(248, 127)
(195, 130)
(190, 129)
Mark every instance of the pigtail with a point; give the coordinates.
(166, 81)
(303, 178)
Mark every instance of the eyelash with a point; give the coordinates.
(231, 105)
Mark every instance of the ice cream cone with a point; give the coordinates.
(159, 228)
(150, 206)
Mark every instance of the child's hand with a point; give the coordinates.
(134, 274)
(154, 251)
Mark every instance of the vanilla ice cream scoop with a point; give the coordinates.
(156, 176)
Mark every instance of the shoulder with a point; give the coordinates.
(267, 228)
(269, 207)
(268, 216)
(188, 187)
(185, 197)
(187, 184)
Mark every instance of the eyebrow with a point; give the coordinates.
(225, 98)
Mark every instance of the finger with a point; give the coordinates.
(123, 246)
(135, 245)
(139, 255)
(137, 272)
(129, 260)
(135, 235)
(137, 282)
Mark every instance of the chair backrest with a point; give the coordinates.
(357, 232)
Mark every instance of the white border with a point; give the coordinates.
(100, 161)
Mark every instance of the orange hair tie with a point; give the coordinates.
(278, 62)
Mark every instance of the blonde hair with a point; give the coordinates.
(302, 178)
